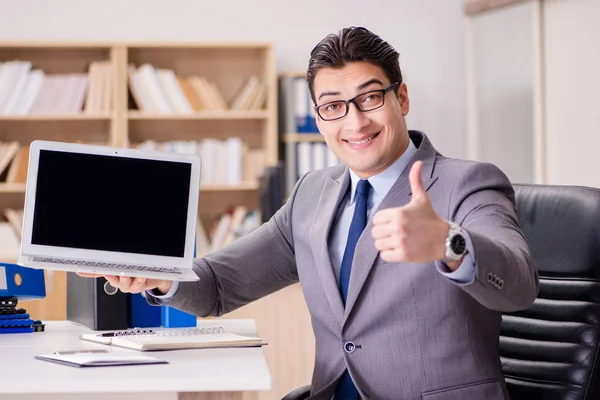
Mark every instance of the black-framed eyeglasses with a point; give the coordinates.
(368, 101)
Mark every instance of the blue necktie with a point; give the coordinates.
(346, 389)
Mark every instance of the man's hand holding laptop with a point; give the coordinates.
(128, 284)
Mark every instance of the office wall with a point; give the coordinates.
(572, 55)
(427, 33)
(503, 89)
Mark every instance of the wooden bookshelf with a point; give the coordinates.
(119, 121)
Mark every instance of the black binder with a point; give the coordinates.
(271, 190)
(94, 303)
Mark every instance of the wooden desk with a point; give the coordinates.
(199, 374)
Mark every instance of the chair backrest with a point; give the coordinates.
(551, 350)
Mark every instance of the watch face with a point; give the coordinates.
(458, 244)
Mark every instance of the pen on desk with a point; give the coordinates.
(63, 352)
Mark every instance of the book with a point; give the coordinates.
(99, 359)
(173, 339)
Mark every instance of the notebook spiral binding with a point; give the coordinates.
(171, 332)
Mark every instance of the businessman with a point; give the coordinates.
(406, 258)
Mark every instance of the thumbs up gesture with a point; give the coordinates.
(412, 233)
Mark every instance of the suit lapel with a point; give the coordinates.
(331, 195)
(366, 254)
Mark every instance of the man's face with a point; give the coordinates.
(367, 142)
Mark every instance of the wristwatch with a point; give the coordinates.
(456, 244)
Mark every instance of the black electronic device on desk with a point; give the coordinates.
(16, 320)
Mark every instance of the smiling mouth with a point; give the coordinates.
(373, 136)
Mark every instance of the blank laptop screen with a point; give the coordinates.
(110, 203)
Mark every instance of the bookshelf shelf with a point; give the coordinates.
(201, 115)
(12, 188)
(244, 186)
(303, 137)
(57, 117)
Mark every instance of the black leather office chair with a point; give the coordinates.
(551, 350)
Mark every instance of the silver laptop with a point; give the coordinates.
(110, 211)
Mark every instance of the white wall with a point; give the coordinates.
(503, 79)
(429, 34)
(572, 85)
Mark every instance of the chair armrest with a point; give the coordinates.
(300, 393)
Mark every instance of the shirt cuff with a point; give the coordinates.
(162, 298)
(465, 273)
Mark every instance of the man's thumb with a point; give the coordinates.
(416, 185)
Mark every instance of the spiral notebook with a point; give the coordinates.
(173, 339)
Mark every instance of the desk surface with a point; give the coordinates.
(198, 370)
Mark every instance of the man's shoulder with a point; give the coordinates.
(465, 176)
(460, 168)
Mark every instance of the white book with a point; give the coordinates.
(305, 163)
(91, 102)
(80, 92)
(139, 91)
(208, 156)
(319, 155)
(150, 80)
(9, 78)
(61, 94)
(222, 163)
(179, 102)
(235, 161)
(18, 88)
(32, 88)
(44, 97)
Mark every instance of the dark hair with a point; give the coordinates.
(350, 45)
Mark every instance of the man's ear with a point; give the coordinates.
(403, 98)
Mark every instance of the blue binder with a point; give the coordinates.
(174, 318)
(142, 314)
(22, 282)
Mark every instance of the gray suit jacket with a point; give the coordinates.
(416, 334)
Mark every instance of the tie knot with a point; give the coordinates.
(363, 187)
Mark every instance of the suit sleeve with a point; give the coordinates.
(247, 269)
(483, 204)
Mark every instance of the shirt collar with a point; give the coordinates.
(383, 181)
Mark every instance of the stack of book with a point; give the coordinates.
(161, 90)
(25, 90)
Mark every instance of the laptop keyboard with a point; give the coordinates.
(106, 265)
